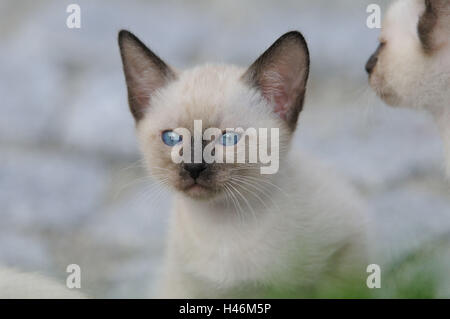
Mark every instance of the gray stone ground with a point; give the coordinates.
(71, 186)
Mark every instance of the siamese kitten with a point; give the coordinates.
(20, 285)
(235, 232)
(411, 66)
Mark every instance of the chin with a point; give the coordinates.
(390, 99)
(385, 93)
(199, 191)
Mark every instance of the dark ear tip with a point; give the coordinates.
(294, 35)
(123, 33)
(126, 35)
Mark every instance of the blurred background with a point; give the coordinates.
(71, 187)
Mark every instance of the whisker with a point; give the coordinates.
(261, 179)
(261, 188)
(245, 199)
(145, 179)
(235, 201)
(251, 192)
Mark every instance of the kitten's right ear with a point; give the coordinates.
(144, 72)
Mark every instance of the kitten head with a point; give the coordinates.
(166, 103)
(411, 66)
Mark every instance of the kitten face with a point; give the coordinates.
(269, 94)
(411, 66)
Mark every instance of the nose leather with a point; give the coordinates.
(373, 60)
(371, 63)
(195, 169)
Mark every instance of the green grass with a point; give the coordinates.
(417, 274)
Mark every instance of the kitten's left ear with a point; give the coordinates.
(281, 74)
(434, 24)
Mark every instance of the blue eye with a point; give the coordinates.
(170, 138)
(229, 139)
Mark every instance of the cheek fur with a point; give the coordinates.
(391, 79)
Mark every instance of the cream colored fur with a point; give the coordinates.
(235, 232)
(314, 235)
(314, 223)
(406, 75)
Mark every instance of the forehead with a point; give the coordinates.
(209, 93)
(401, 19)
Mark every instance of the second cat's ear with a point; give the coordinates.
(144, 72)
(281, 74)
(434, 25)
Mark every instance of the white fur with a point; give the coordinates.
(313, 224)
(406, 75)
(19, 285)
(287, 248)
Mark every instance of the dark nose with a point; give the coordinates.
(373, 60)
(195, 169)
(371, 63)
